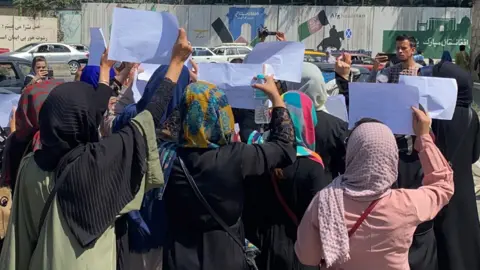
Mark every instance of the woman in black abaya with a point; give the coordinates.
(457, 229)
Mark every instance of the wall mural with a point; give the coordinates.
(366, 30)
(434, 36)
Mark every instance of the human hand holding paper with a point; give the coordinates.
(105, 63)
(421, 122)
(182, 49)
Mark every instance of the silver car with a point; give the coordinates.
(55, 53)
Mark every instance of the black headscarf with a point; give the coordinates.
(463, 78)
(103, 176)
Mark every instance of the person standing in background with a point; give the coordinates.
(477, 65)
(405, 47)
(39, 71)
(462, 58)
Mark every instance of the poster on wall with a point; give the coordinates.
(363, 30)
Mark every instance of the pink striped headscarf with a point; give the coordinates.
(371, 169)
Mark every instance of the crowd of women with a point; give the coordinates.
(100, 181)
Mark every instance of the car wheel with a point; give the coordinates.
(73, 66)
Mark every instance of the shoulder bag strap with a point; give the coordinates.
(207, 205)
(284, 204)
(362, 217)
(58, 183)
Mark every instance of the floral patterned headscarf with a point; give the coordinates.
(206, 117)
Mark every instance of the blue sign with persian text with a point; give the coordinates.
(237, 17)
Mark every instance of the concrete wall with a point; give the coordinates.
(70, 24)
(16, 31)
(372, 29)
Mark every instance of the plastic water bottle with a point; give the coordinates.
(262, 111)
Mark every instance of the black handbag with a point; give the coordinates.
(249, 256)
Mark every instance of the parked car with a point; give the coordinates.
(203, 55)
(12, 73)
(220, 54)
(4, 50)
(55, 53)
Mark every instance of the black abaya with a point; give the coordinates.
(330, 134)
(456, 227)
(195, 240)
(267, 224)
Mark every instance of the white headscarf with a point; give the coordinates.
(313, 85)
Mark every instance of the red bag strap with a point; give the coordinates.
(362, 217)
(284, 204)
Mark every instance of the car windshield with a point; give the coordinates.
(26, 48)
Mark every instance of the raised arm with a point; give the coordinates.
(159, 103)
(424, 203)
(279, 151)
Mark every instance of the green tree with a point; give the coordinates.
(39, 7)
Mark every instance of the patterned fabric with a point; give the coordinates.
(394, 72)
(257, 137)
(304, 119)
(371, 169)
(29, 105)
(206, 117)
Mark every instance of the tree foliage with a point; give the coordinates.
(36, 7)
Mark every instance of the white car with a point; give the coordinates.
(55, 53)
(221, 54)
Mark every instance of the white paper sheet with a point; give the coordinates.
(286, 57)
(438, 96)
(97, 46)
(336, 106)
(140, 36)
(235, 79)
(389, 103)
(141, 79)
(7, 101)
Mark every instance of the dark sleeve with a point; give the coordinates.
(159, 103)
(278, 152)
(476, 143)
(28, 79)
(103, 95)
(343, 86)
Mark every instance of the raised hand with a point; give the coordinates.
(181, 49)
